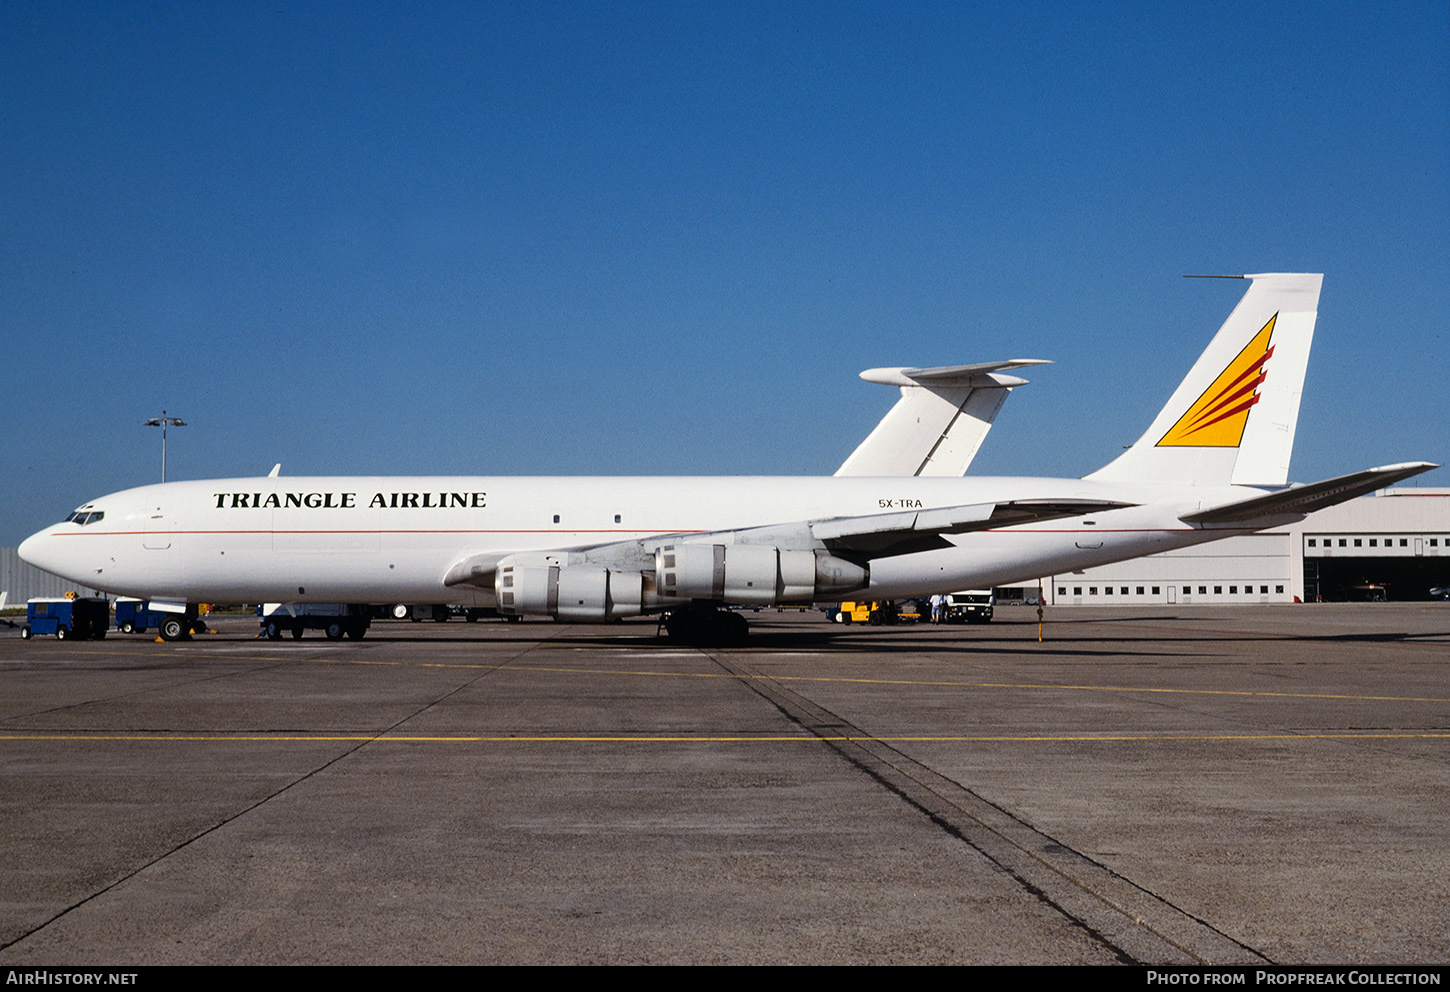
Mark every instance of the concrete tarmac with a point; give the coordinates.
(1170, 785)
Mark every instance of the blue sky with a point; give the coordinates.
(611, 238)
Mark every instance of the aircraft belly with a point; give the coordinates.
(986, 559)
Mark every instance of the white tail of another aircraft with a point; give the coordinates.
(940, 421)
(1231, 421)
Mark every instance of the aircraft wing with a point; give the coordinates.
(887, 534)
(860, 538)
(939, 423)
(1299, 500)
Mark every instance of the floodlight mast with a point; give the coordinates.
(164, 422)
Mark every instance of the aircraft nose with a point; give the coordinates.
(39, 550)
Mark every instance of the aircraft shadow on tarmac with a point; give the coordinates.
(1002, 638)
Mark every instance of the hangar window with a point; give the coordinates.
(1389, 542)
(1202, 590)
(1404, 542)
(1341, 542)
(1356, 542)
(1218, 590)
(1062, 590)
(1372, 543)
(1092, 590)
(1232, 590)
(1311, 542)
(1124, 590)
(1107, 590)
(1263, 589)
(1077, 590)
(1140, 590)
(1155, 590)
(1432, 542)
(1187, 590)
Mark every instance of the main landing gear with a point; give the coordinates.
(706, 626)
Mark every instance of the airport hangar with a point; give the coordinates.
(1396, 542)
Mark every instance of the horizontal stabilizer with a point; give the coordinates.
(1311, 497)
(947, 375)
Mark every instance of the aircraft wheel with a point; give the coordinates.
(678, 627)
(334, 631)
(707, 628)
(736, 629)
(61, 633)
(198, 626)
(171, 629)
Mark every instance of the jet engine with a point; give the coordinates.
(543, 584)
(751, 574)
(573, 592)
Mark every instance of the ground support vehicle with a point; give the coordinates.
(473, 614)
(437, 612)
(80, 617)
(336, 620)
(877, 613)
(969, 606)
(135, 616)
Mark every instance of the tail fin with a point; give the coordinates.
(940, 421)
(1231, 421)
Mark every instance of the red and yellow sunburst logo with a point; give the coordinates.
(1218, 417)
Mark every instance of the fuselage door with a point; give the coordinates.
(158, 527)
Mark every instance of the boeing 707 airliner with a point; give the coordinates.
(1213, 463)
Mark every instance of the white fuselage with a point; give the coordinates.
(393, 539)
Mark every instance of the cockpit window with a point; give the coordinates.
(84, 517)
